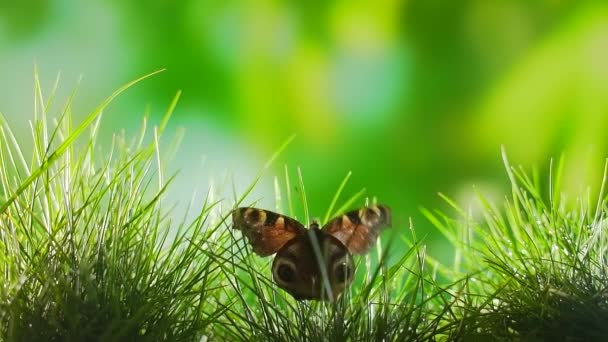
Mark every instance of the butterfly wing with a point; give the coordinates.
(266, 231)
(298, 269)
(359, 229)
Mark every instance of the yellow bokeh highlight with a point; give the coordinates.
(366, 26)
(309, 91)
(555, 99)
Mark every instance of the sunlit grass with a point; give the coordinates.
(89, 250)
(386, 302)
(537, 263)
(85, 246)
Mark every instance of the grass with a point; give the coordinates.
(544, 263)
(398, 302)
(84, 249)
(89, 251)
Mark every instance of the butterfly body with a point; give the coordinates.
(303, 263)
(312, 263)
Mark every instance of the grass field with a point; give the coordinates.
(88, 251)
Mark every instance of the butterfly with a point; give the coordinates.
(305, 257)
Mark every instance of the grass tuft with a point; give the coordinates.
(85, 251)
(400, 301)
(543, 274)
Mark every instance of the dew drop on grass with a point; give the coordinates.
(21, 281)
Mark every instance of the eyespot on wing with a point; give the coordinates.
(265, 230)
(358, 230)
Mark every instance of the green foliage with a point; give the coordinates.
(544, 272)
(89, 251)
(397, 302)
(86, 251)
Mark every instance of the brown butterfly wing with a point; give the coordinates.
(359, 229)
(297, 268)
(266, 231)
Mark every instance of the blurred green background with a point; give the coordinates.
(413, 97)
